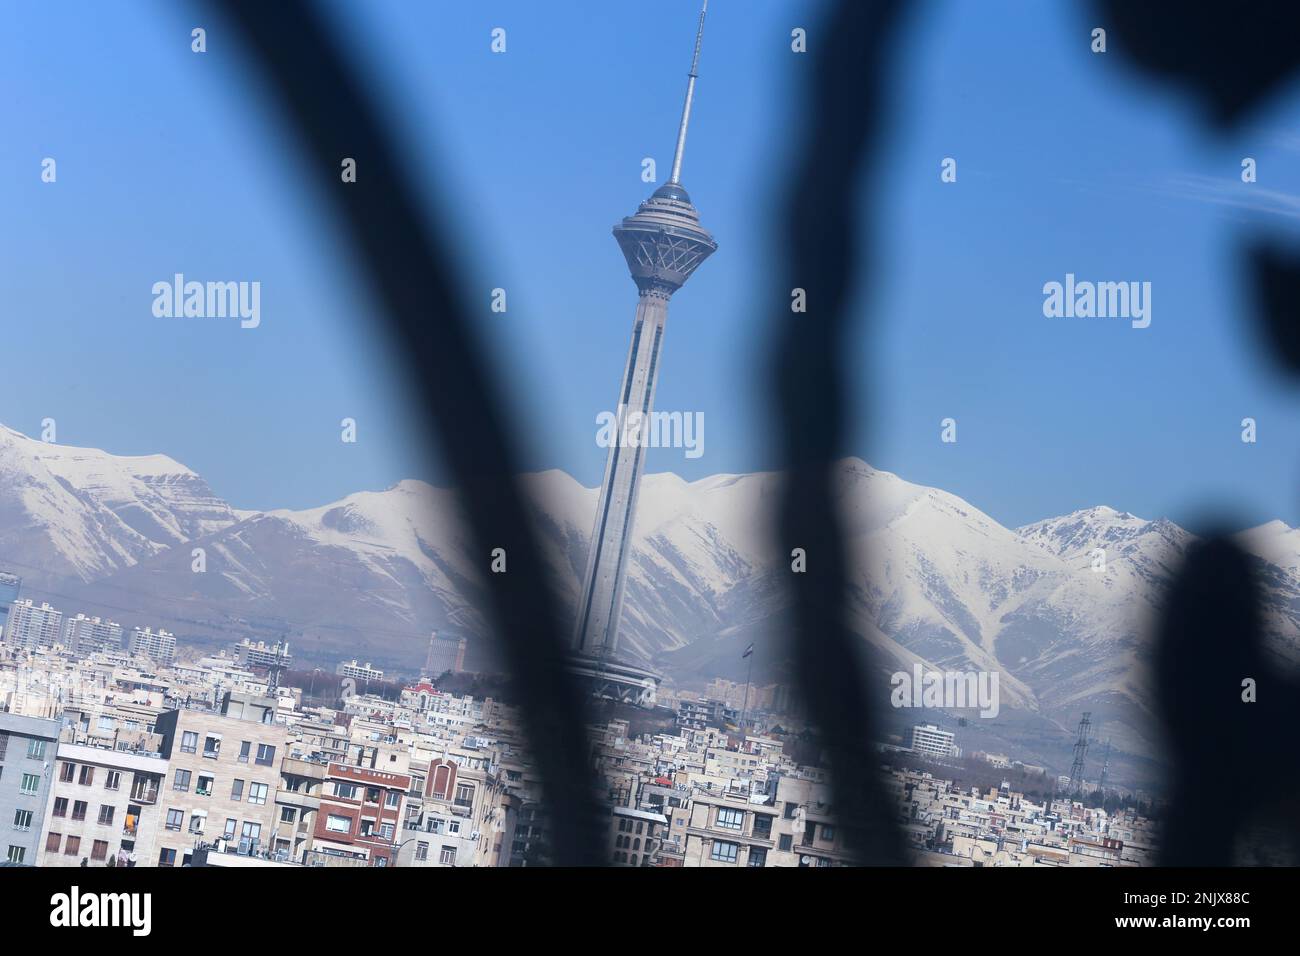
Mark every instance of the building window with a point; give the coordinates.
(251, 832)
(99, 850)
(393, 799)
(79, 809)
(257, 793)
(67, 771)
(730, 819)
(265, 755)
(464, 795)
(174, 819)
(16, 853)
(72, 847)
(22, 819)
(237, 791)
(36, 749)
(189, 742)
(205, 785)
(144, 787)
(244, 747)
(114, 781)
(338, 824)
(287, 814)
(763, 826)
(229, 832)
(386, 831)
(372, 794)
(87, 776)
(60, 806)
(447, 856)
(724, 852)
(828, 832)
(422, 851)
(4, 745)
(105, 815)
(167, 858)
(181, 780)
(348, 791)
(757, 856)
(197, 820)
(786, 841)
(30, 783)
(211, 747)
(52, 841)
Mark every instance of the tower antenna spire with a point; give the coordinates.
(676, 177)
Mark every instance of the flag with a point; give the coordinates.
(749, 650)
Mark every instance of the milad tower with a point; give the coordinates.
(664, 244)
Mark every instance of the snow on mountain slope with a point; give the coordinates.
(83, 513)
(1275, 542)
(933, 579)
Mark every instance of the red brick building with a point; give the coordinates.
(360, 813)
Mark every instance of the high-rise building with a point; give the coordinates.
(663, 243)
(159, 646)
(90, 635)
(31, 626)
(444, 655)
(928, 740)
(10, 585)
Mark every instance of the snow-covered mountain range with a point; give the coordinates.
(937, 581)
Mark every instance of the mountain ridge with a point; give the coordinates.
(933, 579)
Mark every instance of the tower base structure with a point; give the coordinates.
(607, 679)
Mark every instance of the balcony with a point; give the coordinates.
(145, 793)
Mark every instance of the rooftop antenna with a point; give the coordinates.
(676, 177)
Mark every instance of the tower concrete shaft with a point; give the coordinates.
(663, 243)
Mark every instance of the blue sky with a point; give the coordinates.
(168, 162)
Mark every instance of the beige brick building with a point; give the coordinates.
(223, 776)
(103, 803)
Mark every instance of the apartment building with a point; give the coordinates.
(91, 635)
(363, 672)
(636, 836)
(728, 825)
(297, 803)
(32, 626)
(464, 816)
(360, 813)
(103, 803)
(264, 656)
(159, 646)
(929, 741)
(223, 775)
(28, 746)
